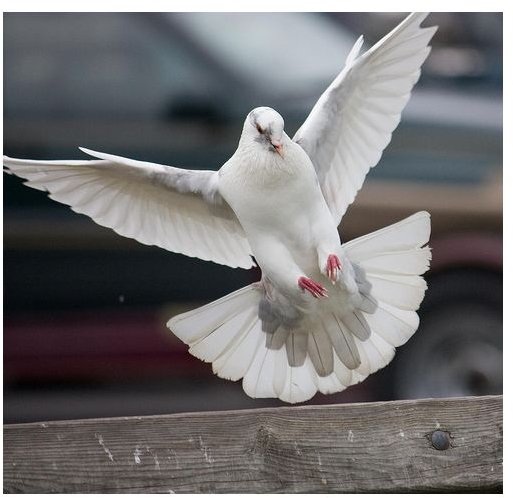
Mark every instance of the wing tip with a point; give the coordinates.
(89, 152)
(417, 16)
(422, 214)
(6, 168)
(355, 51)
(10, 160)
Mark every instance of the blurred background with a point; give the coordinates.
(85, 309)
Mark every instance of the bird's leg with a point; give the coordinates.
(333, 265)
(329, 260)
(284, 273)
(316, 289)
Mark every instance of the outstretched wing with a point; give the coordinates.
(353, 120)
(176, 209)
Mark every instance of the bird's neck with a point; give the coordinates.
(262, 164)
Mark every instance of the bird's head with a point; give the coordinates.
(265, 127)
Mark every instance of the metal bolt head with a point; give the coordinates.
(441, 440)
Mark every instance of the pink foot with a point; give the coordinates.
(332, 267)
(317, 290)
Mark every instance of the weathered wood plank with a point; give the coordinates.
(364, 447)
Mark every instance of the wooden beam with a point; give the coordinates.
(363, 447)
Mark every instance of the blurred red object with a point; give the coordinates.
(94, 345)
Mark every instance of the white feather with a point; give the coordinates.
(352, 122)
(300, 383)
(134, 198)
(258, 381)
(224, 337)
(339, 351)
(194, 325)
(234, 363)
(411, 233)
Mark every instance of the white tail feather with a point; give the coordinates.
(341, 351)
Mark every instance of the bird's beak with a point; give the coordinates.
(278, 147)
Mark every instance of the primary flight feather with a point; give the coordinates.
(324, 315)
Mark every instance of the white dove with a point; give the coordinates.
(324, 315)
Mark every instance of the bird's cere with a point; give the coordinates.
(278, 147)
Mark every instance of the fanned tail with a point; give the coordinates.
(334, 347)
(388, 266)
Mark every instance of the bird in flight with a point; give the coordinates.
(324, 315)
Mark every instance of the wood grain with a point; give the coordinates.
(364, 447)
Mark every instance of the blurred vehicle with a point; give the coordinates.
(82, 303)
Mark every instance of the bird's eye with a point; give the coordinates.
(259, 128)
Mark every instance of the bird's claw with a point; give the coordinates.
(316, 289)
(332, 267)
